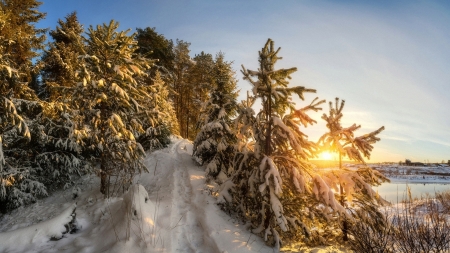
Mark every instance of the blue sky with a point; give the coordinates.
(389, 60)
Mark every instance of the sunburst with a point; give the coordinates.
(325, 155)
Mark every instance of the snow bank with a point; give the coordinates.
(134, 200)
(17, 240)
(130, 225)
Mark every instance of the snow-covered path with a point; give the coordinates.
(187, 217)
(188, 234)
(180, 216)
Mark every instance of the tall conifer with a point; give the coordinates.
(19, 41)
(214, 145)
(109, 94)
(22, 42)
(155, 46)
(354, 187)
(60, 61)
(273, 180)
(162, 121)
(180, 86)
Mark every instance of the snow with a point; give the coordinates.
(169, 209)
(439, 173)
(272, 171)
(17, 240)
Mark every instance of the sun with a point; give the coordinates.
(325, 155)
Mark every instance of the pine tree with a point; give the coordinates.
(18, 102)
(22, 41)
(215, 143)
(163, 104)
(273, 186)
(60, 60)
(109, 95)
(162, 123)
(200, 82)
(58, 141)
(16, 185)
(181, 86)
(354, 186)
(156, 46)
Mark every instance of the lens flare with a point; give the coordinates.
(326, 155)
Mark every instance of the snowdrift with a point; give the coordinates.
(53, 229)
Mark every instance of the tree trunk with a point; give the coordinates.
(187, 116)
(268, 108)
(104, 180)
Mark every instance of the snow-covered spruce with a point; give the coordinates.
(162, 123)
(272, 182)
(111, 98)
(42, 152)
(274, 187)
(60, 59)
(39, 142)
(59, 140)
(214, 145)
(18, 184)
(353, 186)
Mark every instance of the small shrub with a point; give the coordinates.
(419, 226)
(421, 233)
(371, 236)
(444, 199)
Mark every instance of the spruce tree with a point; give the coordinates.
(58, 135)
(200, 82)
(273, 183)
(22, 42)
(19, 105)
(60, 60)
(161, 76)
(215, 143)
(17, 185)
(40, 146)
(108, 95)
(58, 141)
(155, 46)
(161, 123)
(354, 187)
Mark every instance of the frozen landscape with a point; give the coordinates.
(180, 215)
(415, 174)
(117, 136)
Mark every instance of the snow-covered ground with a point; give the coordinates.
(415, 174)
(169, 209)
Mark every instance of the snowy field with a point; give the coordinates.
(415, 174)
(170, 209)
